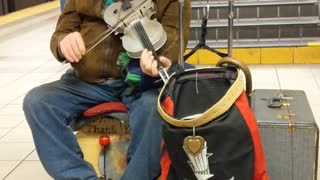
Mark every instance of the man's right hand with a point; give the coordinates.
(72, 47)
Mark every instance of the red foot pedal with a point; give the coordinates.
(104, 140)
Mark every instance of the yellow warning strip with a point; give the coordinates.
(14, 16)
(312, 44)
(278, 55)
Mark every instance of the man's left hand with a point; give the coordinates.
(149, 65)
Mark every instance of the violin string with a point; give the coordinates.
(140, 36)
(150, 46)
(145, 39)
(147, 43)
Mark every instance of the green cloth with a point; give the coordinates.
(131, 78)
(109, 2)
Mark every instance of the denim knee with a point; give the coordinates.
(34, 102)
(32, 98)
(150, 98)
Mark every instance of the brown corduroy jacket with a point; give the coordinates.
(85, 16)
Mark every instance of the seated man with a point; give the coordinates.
(95, 79)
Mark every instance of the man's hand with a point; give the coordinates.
(149, 66)
(72, 47)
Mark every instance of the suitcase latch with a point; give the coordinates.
(279, 101)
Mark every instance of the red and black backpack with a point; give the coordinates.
(209, 130)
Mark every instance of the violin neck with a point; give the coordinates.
(144, 39)
(146, 43)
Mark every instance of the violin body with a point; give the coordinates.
(142, 11)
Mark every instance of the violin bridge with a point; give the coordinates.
(163, 74)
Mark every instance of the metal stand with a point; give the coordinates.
(230, 27)
(181, 38)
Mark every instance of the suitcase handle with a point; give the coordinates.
(240, 65)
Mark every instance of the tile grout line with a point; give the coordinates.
(19, 164)
(32, 70)
(314, 77)
(277, 74)
(9, 103)
(14, 127)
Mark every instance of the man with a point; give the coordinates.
(95, 79)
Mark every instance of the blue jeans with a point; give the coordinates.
(62, 2)
(50, 108)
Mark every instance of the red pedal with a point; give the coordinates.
(104, 140)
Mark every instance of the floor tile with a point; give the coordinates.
(15, 151)
(4, 131)
(29, 170)
(10, 94)
(6, 122)
(12, 110)
(315, 68)
(23, 125)
(316, 113)
(33, 156)
(294, 70)
(30, 81)
(259, 74)
(8, 78)
(18, 100)
(6, 167)
(52, 66)
(55, 77)
(313, 96)
(296, 77)
(17, 135)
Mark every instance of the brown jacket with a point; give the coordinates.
(85, 16)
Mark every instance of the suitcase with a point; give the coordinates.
(289, 133)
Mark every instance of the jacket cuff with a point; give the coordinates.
(60, 57)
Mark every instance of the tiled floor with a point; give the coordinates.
(26, 62)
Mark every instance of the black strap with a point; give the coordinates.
(202, 42)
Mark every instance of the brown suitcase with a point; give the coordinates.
(289, 133)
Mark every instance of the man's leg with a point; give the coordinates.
(50, 108)
(144, 147)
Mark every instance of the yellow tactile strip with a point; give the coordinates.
(12, 17)
(279, 55)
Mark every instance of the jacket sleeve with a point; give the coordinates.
(170, 23)
(68, 22)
